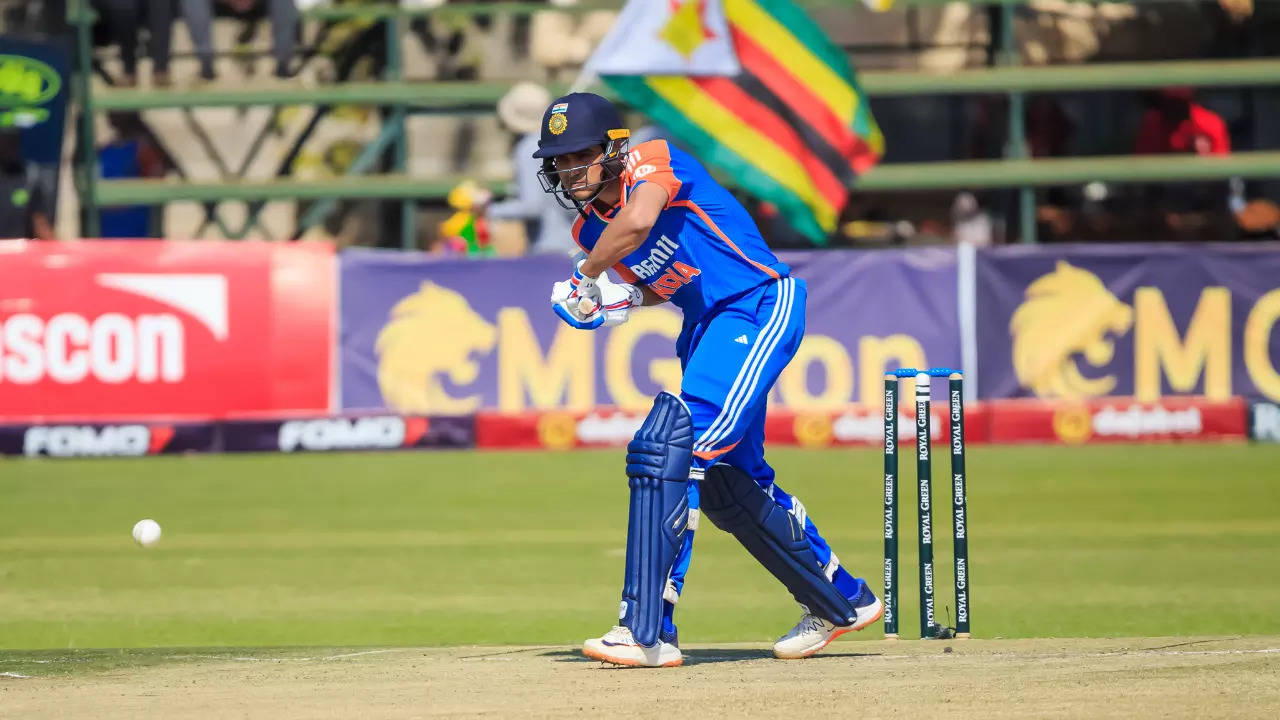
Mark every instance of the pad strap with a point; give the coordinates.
(738, 505)
(658, 461)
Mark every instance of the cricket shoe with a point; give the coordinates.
(813, 633)
(620, 648)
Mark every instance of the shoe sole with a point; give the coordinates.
(856, 626)
(627, 662)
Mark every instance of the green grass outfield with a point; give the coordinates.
(510, 548)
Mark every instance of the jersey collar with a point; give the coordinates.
(608, 214)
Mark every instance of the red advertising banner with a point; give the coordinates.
(608, 427)
(994, 421)
(864, 426)
(556, 430)
(991, 421)
(1116, 420)
(121, 330)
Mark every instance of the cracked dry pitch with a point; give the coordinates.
(1119, 678)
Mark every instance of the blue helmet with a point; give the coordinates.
(574, 123)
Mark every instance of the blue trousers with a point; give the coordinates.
(731, 361)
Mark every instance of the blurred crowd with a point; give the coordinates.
(132, 26)
(124, 22)
(553, 40)
(232, 42)
(127, 31)
(1168, 121)
(1173, 121)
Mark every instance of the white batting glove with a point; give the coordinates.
(611, 305)
(560, 291)
(585, 296)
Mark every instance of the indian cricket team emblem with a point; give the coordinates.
(558, 122)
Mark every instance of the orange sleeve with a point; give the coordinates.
(650, 162)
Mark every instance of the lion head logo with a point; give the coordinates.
(431, 332)
(1067, 312)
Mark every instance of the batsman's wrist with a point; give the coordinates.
(584, 269)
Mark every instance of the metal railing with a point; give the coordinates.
(1016, 171)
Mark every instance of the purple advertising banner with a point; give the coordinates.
(1083, 321)
(364, 432)
(421, 335)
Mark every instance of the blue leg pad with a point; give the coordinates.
(773, 536)
(658, 462)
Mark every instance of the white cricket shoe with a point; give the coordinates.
(619, 648)
(813, 633)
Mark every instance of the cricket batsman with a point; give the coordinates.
(673, 234)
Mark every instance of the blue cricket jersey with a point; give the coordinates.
(703, 248)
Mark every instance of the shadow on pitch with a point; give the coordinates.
(707, 656)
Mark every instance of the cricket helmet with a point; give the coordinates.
(573, 123)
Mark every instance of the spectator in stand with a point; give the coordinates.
(22, 205)
(284, 29)
(132, 153)
(548, 226)
(444, 38)
(1258, 219)
(1049, 134)
(1178, 124)
(198, 14)
(123, 18)
(970, 224)
(1237, 10)
(34, 17)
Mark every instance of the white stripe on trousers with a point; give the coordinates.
(752, 356)
(749, 375)
(742, 374)
(787, 292)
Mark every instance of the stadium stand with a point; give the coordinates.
(410, 137)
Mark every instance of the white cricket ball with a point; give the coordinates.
(146, 532)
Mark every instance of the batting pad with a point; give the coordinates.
(658, 461)
(736, 504)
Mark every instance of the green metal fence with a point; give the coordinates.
(1016, 171)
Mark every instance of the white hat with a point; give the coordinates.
(521, 109)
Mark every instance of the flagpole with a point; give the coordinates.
(586, 78)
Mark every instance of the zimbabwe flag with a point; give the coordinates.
(753, 87)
